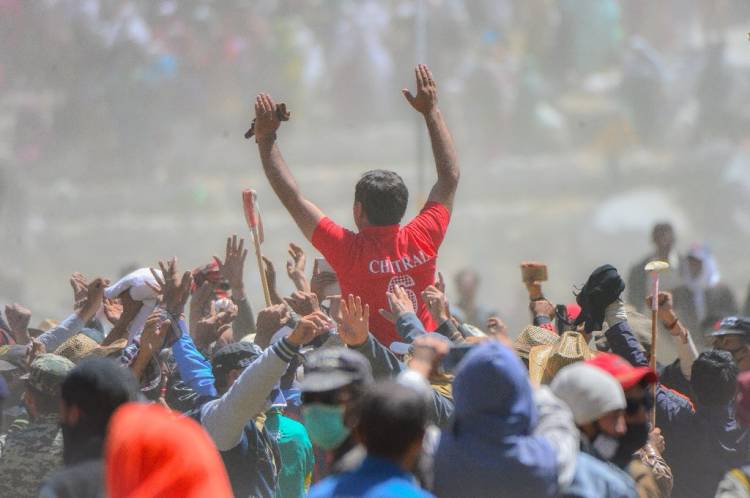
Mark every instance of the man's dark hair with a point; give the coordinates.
(98, 386)
(662, 227)
(714, 378)
(383, 195)
(390, 417)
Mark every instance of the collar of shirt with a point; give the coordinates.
(378, 465)
(378, 229)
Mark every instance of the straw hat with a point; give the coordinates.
(545, 361)
(531, 337)
(80, 346)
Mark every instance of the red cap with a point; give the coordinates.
(625, 373)
(573, 311)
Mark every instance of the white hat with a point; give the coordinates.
(590, 392)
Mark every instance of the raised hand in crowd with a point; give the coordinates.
(303, 303)
(174, 290)
(496, 327)
(266, 118)
(233, 266)
(18, 320)
(542, 307)
(399, 304)
(79, 284)
(93, 300)
(667, 315)
(355, 321)
(295, 267)
(35, 348)
(112, 310)
(437, 304)
(428, 354)
(309, 327)
(426, 98)
(209, 328)
(130, 309)
(153, 337)
(200, 304)
(270, 271)
(268, 322)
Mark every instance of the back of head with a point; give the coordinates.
(714, 378)
(492, 387)
(589, 392)
(390, 418)
(155, 452)
(97, 387)
(383, 196)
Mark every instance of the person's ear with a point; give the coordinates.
(360, 218)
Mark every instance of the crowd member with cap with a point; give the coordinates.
(546, 360)
(383, 254)
(503, 442)
(736, 482)
(702, 437)
(598, 405)
(31, 454)
(390, 421)
(152, 452)
(733, 336)
(635, 454)
(333, 382)
(529, 338)
(91, 393)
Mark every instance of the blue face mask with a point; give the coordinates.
(325, 425)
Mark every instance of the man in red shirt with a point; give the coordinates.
(382, 254)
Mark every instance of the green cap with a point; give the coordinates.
(47, 373)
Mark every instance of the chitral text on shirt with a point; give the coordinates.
(378, 258)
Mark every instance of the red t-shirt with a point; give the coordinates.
(373, 261)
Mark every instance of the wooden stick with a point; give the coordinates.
(261, 268)
(652, 362)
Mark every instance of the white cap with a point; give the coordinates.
(590, 392)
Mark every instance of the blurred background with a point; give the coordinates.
(579, 123)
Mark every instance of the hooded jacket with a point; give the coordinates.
(490, 449)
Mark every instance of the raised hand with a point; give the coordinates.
(295, 267)
(426, 98)
(18, 320)
(542, 307)
(428, 355)
(320, 282)
(154, 333)
(211, 327)
(79, 284)
(34, 349)
(200, 303)
(94, 299)
(271, 281)
(496, 327)
(269, 321)
(234, 264)
(399, 304)
(175, 291)
(355, 321)
(437, 304)
(309, 327)
(266, 117)
(303, 303)
(113, 310)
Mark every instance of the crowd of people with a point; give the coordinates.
(367, 380)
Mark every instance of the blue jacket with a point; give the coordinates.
(703, 443)
(375, 478)
(490, 449)
(596, 479)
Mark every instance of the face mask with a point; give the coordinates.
(605, 445)
(325, 425)
(634, 439)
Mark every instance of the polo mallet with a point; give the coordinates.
(252, 217)
(654, 268)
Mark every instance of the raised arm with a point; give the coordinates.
(446, 161)
(306, 214)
